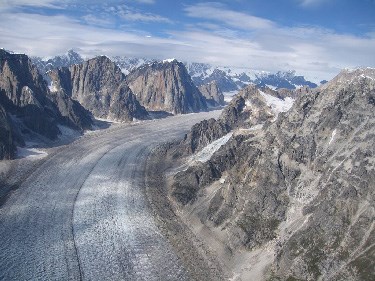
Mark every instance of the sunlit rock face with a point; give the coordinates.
(99, 86)
(166, 86)
(302, 186)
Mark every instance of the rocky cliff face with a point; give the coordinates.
(99, 85)
(24, 96)
(166, 86)
(214, 96)
(299, 193)
(24, 93)
(73, 114)
(7, 146)
(250, 107)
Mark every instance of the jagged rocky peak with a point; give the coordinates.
(20, 79)
(166, 86)
(255, 105)
(252, 106)
(34, 110)
(74, 57)
(350, 76)
(99, 85)
(46, 64)
(214, 96)
(336, 148)
(25, 94)
(299, 192)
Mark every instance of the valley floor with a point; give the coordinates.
(80, 213)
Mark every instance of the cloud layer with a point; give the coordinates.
(216, 35)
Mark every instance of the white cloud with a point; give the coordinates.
(8, 4)
(217, 12)
(99, 21)
(312, 3)
(146, 1)
(315, 52)
(132, 15)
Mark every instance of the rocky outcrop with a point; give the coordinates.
(248, 108)
(25, 94)
(7, 146)
(73, 114)
(99, 86)
(214, 96)
(202, 134)
(33, 110)
(301, 187)
(166, 86)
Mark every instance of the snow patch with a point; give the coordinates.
(271, 87)
(30, 153)
(169, 60)
(367, 77)
(108, 120)
(52, 87)
(206, 153)
(350, 70)
(332, 136)
(253, 128)
(228, 96)
(277, 105)
(248, 103)
(125, 71)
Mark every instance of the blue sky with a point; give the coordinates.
(316, 38)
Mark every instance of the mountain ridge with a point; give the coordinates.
(166, 86)
(99, 85)
(289, 193)
(228, 78)
(32, 110)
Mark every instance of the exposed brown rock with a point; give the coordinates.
(303, 186)
(99, 85)
(214, 96)
(166, 86)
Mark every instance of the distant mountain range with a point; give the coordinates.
(231, 79)
(227, 78)
(46, 64)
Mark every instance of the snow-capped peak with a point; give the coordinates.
(169, 60)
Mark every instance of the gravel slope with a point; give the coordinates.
(82, 214)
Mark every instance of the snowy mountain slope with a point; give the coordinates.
(46, 64)
(231, 78)
(128, 64)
